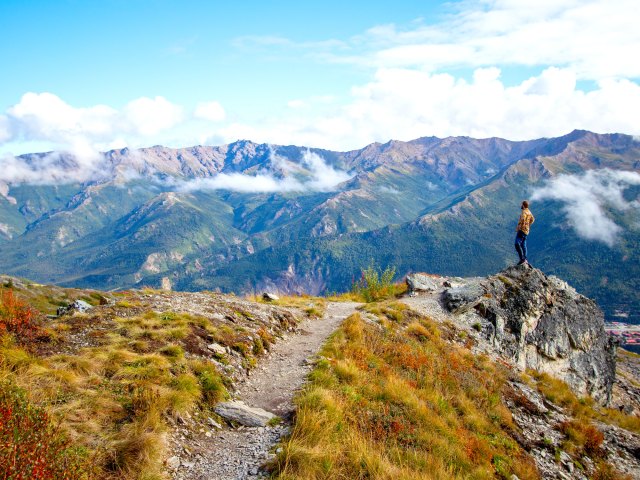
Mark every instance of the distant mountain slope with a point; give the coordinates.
(298, 219)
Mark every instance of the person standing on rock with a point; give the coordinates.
(524, 223)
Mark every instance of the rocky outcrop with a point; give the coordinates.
(542, 323)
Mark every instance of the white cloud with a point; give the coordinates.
(595, 38)
(53, 168)
(211, 111)
(323, 176)
(47, 120)
(45, 116)
(5, 134)
(317, 176)
(404, 104)
(149, 116)
(587, 197)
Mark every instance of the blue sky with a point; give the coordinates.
(86, 76)
(111, 51)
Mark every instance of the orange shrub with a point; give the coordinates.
(17, 317)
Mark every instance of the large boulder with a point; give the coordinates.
(462, 296)
(423, 282)
(542, 323)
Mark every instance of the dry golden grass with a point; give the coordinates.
(400, 403)
(312, 306)
(114, 397)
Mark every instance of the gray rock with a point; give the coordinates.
(241, 413)
(213, 423)
(77, 306)
(457, 297)
(422, 282)
(544, 324)
(217, 348)
(80, 306)
(173, 462)
(270, 297)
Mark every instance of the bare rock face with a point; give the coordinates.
(542, 323)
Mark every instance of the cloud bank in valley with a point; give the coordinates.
(317, 175)
(587, 197)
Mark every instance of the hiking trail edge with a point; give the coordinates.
(236, 454)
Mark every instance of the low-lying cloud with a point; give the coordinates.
(314, 174)
(587, 197)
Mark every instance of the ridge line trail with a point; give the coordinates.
(236, 454)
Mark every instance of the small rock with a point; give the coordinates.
(173, 462)
(213, 423)
(217, 348)
(243, 414)
(270, 297)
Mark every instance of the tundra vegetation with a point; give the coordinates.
(93, 395)
(393, 398)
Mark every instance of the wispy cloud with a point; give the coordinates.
(598, 37)
(587, 197)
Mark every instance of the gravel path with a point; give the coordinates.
(236, 454)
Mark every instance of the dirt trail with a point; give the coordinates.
(236, 454)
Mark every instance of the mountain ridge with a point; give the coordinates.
(442, 205)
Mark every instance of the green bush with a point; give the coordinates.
(375, 284)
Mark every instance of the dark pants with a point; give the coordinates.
(521, 245)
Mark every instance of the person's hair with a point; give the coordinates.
(525, 204)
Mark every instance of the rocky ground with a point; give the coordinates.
(538, 419)
(208, 448)
(204, 448)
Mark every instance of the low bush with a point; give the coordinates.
(31, 446)
(18, 318)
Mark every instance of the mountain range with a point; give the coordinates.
(245, 217)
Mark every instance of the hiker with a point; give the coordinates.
(525, 221)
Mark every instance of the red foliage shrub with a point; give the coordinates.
(30, 446)
(18, 318)
(593, 440)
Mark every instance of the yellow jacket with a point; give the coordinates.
(526, 219)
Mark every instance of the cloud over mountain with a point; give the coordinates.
(585, 196)
(317, 176)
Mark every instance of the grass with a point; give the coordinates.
(395, 400)
(136, 369)
(47, 298)
(583, 409)
(313, 307)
